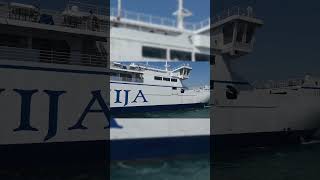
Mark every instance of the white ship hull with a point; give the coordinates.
(279, 116)
(135, 97)
(41, 108)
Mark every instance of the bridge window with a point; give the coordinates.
(152, 52)
(174, 80)
(211, 84)
(126, 77)
(174, 88)
(212, 60)
(180, 55)
(202, 57)
(228, 33)
(158, 78)
(166, 79)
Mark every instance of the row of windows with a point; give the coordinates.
(165, 79)
(160, 53)
(126, 77)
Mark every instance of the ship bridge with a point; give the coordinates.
(232, 31)
(182, 72)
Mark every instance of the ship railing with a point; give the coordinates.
(234, 11)
(77, 18)
(126, 79)
(85, 7)
(53, 57)
(145, 18)
(156, 20)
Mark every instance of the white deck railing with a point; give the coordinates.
(54, 57)
(155, 20)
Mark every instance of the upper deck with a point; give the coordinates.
(170, 24)
(77, 18)
(153, 21)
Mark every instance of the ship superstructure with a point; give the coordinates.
(260, 113)
(146, 37)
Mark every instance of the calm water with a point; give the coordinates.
(180, 113)
(286, 163)
(192, 168)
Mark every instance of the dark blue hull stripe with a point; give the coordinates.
(139, 109)
(131, 149)
(232, 141)
(141, 84)
(176, 146)
(159, 147)
(26, 155)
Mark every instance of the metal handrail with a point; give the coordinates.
(60, 19)
(54, 57)
(240, 11)
(155, 20)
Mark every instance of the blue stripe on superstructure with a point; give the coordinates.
(137, 109)
(32, 68)
(231, 82)
(139, 84)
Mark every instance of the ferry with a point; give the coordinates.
(135, 38)
(56, 77)
(260, 113)
(53, 74)
(143, 88)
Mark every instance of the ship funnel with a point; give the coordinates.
(181, 13)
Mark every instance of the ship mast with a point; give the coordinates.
(119, 8)
(181, 13)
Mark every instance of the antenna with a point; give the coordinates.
(119, 8)
(181, 13)
(167, 66)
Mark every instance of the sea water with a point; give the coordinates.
(296, 162)
(187, 168)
